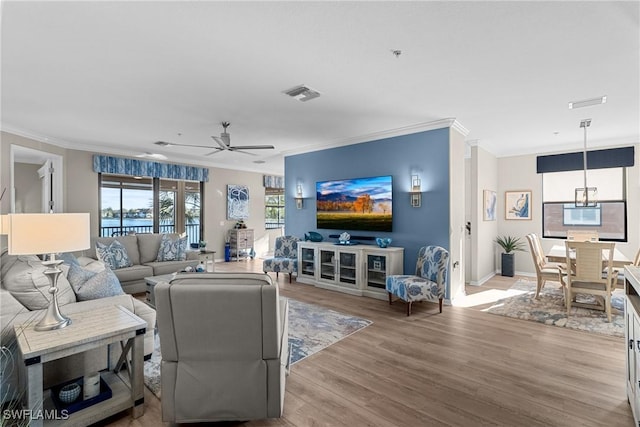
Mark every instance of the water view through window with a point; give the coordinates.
(127, 206)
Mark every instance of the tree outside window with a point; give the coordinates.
(273, 208)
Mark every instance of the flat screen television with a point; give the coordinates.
(355, 204)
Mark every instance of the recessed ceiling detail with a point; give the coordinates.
(302, 93)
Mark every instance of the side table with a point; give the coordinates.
(152, 281)
(208, 259)
(88, 330)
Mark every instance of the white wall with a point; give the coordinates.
(484, 176)
(519, 173)
(456, 212)
(28, 188)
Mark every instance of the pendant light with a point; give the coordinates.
(586, 196)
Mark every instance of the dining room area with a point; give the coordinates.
(588, 270)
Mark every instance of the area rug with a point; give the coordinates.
(311, 329)
(549, 309)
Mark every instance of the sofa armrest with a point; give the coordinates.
(285, 351)
(147, 314)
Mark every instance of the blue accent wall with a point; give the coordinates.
(425, 153)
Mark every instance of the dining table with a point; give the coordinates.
(558, 253)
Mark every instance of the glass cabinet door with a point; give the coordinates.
(347, 268)
(327, 265)
(376, 271)
(307, 262)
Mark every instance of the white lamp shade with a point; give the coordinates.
(48, 233)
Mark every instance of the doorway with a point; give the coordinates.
(36, 181)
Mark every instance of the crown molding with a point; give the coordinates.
(267, 168)
(391, 133)
(458, 126)
(35, 136)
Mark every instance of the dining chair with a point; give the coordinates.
(583, 235)
(620, 270)
(586, 275)
(545, 270)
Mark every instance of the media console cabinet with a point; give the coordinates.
(354, 269)
(632, 335)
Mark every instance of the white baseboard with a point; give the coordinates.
(497, 273)
(483, 280)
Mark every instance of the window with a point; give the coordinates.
(150, 205)
(273, 208)
(126, 205)
(608, 217)
(192, 211)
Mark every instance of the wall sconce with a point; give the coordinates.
(416, 191)
(299, 196)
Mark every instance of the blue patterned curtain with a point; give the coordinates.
(136, 167)
(271, 181)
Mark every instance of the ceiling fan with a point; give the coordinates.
(224, 142)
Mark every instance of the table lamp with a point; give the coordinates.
(48, 233)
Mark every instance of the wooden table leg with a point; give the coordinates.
(34, 391)
(137, 374)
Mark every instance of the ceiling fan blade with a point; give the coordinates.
(254, 147)
(176, 144)
(220, 142)
(217, 150)
(236, 149)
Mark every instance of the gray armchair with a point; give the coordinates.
(224, 344)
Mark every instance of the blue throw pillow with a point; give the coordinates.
(114, 255)
(68, 258)
(172, 250)
(89, 285)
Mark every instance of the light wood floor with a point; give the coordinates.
(463, 367)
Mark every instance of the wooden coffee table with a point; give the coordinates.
(88, 330)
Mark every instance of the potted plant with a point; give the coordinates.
(509, 245)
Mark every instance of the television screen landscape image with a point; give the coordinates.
(355, 204)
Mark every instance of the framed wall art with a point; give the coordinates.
(489, 205)
(517, 204)
(237, 201)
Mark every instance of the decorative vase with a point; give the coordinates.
(508, 262)
(313, 236)
(69, 393)
(383, 242)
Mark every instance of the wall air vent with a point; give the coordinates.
(302, 93)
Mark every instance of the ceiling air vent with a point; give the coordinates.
(302, 93)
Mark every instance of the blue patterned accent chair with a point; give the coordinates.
(285, 257)
(428, 283)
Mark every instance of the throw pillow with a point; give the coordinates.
(68, 258)
(27, 283)
(172, 250)
(114, 255)
(88, 284)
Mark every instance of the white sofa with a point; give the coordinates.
(13, 312)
